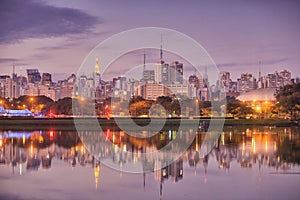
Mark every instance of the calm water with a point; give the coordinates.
(246, 163)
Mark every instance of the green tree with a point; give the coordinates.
(288, 98)
(140, 108)
(60, 107)
(135, 99)
(237, 108)
(185, 105)
(166, 102)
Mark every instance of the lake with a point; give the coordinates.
(247, 162)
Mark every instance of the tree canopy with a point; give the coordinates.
(288, 100)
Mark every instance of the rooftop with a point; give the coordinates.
(265, 94)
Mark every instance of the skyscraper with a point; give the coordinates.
(46, 79)
(224, 78)
(286, 76)
(33, 76)
(176, 72)
(148, 75)
(161, 71)
(246, 82)
(96, 74)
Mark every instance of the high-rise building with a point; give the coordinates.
(120, 83)
(12, 88)
(151, 91)
(246, 82)
(66, 91)
(194, 85)
(286, 76)
(233, 87)
(176, 72)
(161, 71)
(120, 88)
(47, 91)
(33, 76)
(148, 75)
(271, 80)
(46, 79)
(3, 79)
(183, 89)
(224, 80)
(67, 87)
(194, 80)
(36, 89)
(162, 74)
(96, 74)
(276, 79)
(82, 84)
(9, 88)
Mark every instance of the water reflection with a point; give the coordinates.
(275, 148)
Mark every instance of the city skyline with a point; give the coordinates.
(164, 79)
(247, 33)
(149, 99)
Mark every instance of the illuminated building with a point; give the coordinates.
(183, 89)
(161, 69)
(36, 89)
(96, 74)
(46, 79)
(67, 87)
(224, 78)
(260, 100)
(176, 72)
(161, 72)
(246, 82)
(148, 75)
(152, 91)
(11, 113)
(33, 76)
(277, 80)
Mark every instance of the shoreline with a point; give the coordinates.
(89, 123)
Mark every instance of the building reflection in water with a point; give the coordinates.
(277, 148)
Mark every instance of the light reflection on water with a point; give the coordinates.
(248, 163)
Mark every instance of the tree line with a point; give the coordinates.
(287, 101)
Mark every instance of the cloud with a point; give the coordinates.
(274, 61)
(13, 61)
(31, 19)
(263, 62)
(8, 60)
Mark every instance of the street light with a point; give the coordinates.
(31, 99)
(1, 103)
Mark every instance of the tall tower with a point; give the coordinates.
(205, 77)
(96, 74)
(161, 49)
(144, 66)
(259, 83)
(97, 70)
(162, 74)
(14, 74)
(259, 73)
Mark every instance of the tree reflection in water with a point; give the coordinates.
(277, 148)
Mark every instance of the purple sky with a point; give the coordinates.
(55, 36)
